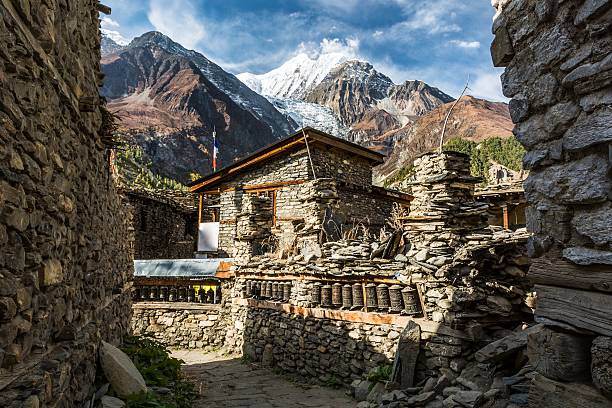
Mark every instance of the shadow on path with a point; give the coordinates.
(227, 382)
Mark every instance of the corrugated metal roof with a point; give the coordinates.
(178, 267)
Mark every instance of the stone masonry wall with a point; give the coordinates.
(558, 59)
(183, 325)
(65, 263)
(161, 230)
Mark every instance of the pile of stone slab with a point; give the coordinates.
(498, 376)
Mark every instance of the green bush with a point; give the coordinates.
(381, 373)
(158, 369)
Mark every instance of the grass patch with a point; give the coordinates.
(158, 369)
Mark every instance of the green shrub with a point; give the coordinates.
(381, 373)
(158, 369)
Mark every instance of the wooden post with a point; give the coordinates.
(505, 217)
(199, 209)
(422, 300)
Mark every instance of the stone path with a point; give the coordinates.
(225, 382)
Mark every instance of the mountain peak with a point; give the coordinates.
(300, 74)
(155, 38)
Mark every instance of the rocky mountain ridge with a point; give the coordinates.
(472, 119)
(370, 104)
(169, 100)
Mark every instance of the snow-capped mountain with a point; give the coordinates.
(108, 45)
(335, 91)
(354, 88)
(299, 75)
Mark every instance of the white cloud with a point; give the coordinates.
(109, 28)
(348, 47)
(465, 44)
(177, 19)
(434, 17)
(487, 85)
(334, 6)
(108, 22)
(116, 36)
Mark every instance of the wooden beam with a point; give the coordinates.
(559, 272)
(236, 168)
(585, 310)
(354, 316)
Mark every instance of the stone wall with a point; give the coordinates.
(341, 166)
(161, 228)
(65, 262)
(318, 348)
(558, 59)
(305, 207)
(181, 325)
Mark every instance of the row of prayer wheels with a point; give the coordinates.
(175, 294)
(280, 291)
(383, 298)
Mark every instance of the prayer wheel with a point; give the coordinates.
(136, 293)
(347, 296)
(248, 288)
(275, 290)
(182, 294)
(357, 296)
(395, 296)
(163, 293)
(172, 297)
(337, 294)
(371, 303)
(202, 295)
(145, 292)
(257, 289)
(382, 294)
(191, 296)
(286, 292)
(315, 294)
(411, 300)
(326, 295)
(155, 293)
(268, 289)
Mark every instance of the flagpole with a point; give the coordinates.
(214, 158)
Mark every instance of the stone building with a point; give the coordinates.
(558, 71)
(65, 263)
(293, 195)
(164, 223)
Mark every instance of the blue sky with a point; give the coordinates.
(438, 41)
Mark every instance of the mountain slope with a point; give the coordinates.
(168, 107)
(472, 119)
(371, 104)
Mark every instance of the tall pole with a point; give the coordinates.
(215, 148)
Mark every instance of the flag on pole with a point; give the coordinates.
(215, 150)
